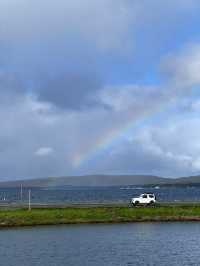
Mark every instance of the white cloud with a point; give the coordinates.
(44, 151)
(183, 69)
(157, 149)
(174, 140)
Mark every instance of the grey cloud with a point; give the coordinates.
(130, 103)
(48, 36)
(152, 151)
(134, 158)
(73, 134)
(70, 91)
(183, 68)
(62, 36)
(12, 88)
(42, 40)
(104, 23)
(24, 130)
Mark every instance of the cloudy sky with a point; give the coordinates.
(99, 86)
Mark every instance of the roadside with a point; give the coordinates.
(109, 214)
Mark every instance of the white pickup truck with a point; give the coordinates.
(146, 199)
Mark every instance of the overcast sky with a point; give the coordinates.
(99, 86)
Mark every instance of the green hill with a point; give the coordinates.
(101, 180)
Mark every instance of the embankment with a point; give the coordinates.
(74, 215)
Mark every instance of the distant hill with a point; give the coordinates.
(187, 180)
(102, 180)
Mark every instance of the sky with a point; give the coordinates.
(99, 87)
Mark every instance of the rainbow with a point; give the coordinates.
(112, 135)
(131, 118)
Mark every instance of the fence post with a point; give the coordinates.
(29, 200)
(21, 193)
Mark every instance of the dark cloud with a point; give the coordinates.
(70, 91)
(128, 157)
(12, 88)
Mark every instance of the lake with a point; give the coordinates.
(99, 194)
(98, 245)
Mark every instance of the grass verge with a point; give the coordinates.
(52, 216)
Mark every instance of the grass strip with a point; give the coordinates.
(70, 215)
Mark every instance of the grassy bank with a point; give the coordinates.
(22, 217)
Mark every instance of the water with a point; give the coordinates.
(100, 194)
(98, 245)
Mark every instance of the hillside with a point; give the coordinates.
(101, 180)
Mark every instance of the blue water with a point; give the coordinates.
(100, 194)
(138, 244)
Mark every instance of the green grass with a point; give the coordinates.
(22, 217)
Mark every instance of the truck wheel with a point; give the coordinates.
(136, 202)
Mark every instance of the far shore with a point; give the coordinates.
(109, 214)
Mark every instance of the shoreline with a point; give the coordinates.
(96, 215)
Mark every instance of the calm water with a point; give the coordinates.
(99, 245)
(96, 194)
